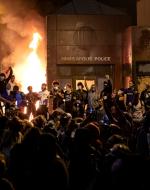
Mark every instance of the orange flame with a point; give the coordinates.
(35, 41)
(32, 71)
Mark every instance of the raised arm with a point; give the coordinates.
(10, 74)
(85, 84)
(4, 100)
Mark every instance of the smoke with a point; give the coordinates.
(18, 21)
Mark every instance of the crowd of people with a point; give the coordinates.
(90, 140)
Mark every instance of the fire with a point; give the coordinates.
(32, 71)
(35, 41)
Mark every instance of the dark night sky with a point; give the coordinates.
(46, 7)
(49, 5)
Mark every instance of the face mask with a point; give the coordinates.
(105, 85)
(56, 87)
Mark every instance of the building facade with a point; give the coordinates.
(87, 46)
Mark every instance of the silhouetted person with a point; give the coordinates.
(31, 98)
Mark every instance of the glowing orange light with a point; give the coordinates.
(30, 117)
(31, 72)
(37, 105)
(35, 41)
(25, 110)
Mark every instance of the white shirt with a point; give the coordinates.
(44, 96)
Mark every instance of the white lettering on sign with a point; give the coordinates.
(100, 59)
